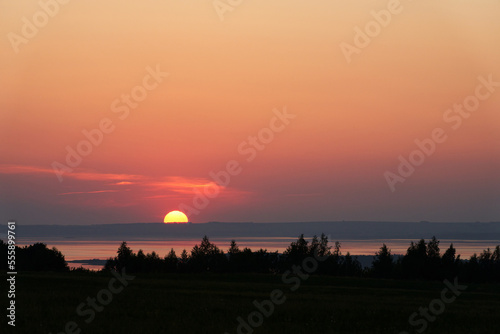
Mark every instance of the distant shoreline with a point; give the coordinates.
(354, 230)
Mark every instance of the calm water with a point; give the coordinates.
(88, 249)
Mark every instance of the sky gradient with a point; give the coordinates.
(235, 79)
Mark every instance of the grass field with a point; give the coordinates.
(211, 303)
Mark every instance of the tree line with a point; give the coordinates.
(423, 260)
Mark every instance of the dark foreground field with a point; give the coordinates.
(211, 303)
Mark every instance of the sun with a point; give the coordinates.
(175, 217)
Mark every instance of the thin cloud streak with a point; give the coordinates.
(90, 192)
(79, 175)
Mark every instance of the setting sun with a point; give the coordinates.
(175, 217)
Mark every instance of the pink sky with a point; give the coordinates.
(350, 117)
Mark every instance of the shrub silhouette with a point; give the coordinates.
(36, 257)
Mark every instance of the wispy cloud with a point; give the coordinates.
(90, 192)
(155, 187)
(19, 169)
(304, 195)
(93, 176)
(182, 185)
(77, 174)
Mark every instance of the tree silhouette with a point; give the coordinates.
(184, 256)
(171, 262)
(124, 257)
(153, 263)
(383, 264)
(488, 264)
(414, 262)
(450, 263)
(324, 249)
(433, 260)
(313, 247)
(207, 257)
(183, 264)
(235, 257)
(350, 266)
(471, 269)
(233, 248)
(297, 251)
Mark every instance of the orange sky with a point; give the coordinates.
(225, 77)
